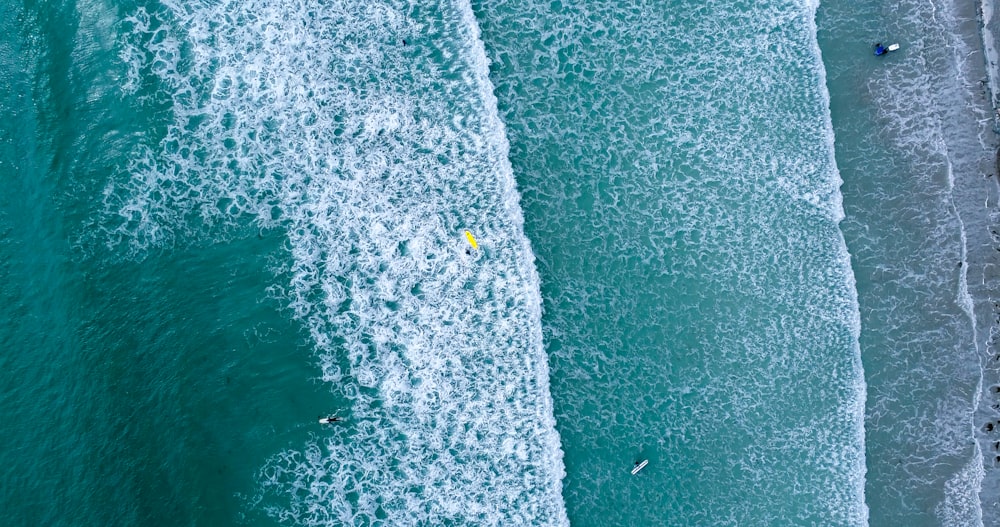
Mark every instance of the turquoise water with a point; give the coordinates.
(718, 235)
(700, 308)
(140, 386)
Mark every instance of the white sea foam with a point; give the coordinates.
(928, 112)
(374, 155)
(961, 506)
(687, 155)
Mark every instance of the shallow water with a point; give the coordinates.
(912, 137)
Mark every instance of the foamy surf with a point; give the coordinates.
(370, 134)
(931, 93)
(701, 296)
(917, 153)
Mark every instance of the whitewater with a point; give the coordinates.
(717, 236)
(369, 133)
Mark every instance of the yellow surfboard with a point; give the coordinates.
(472, 240)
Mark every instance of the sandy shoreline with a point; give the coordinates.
(978, 202)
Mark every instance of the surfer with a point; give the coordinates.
(330, 420)
(882, 50)
(472, 242)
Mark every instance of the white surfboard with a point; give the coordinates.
(640, 466)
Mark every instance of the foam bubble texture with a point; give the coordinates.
(700, 306)
(369, 132)
(929, 147)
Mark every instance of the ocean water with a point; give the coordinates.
(916, 149)
(720, 236)
(291, 183)
(700, 307)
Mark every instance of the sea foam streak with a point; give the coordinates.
(370, 132)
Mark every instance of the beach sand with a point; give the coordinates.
(978, 202)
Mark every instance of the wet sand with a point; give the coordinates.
(978, 201)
